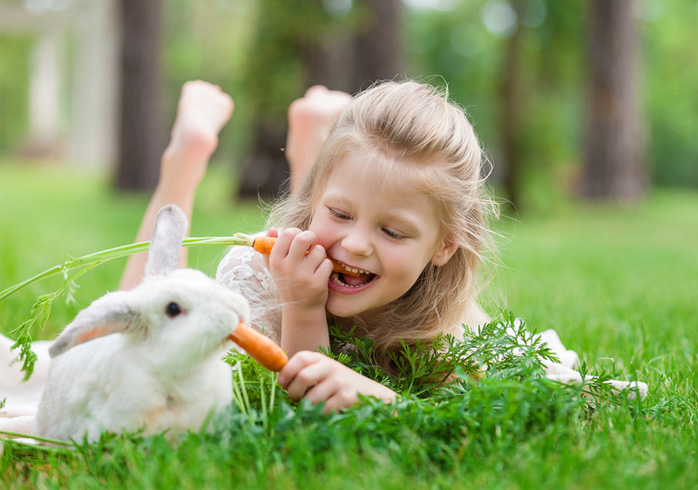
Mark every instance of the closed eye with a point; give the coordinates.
(393, 234)
(339, 214)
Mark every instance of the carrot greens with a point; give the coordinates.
(41, 310)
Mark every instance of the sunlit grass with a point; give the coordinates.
(618, 283)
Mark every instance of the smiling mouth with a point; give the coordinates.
(344, 269)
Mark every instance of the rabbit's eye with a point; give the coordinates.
(172, 310)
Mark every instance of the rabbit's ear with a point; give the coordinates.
(109, 314)
(170, 227)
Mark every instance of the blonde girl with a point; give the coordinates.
(393, 190)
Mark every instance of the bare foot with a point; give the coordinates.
(202, 112)
(310, 120)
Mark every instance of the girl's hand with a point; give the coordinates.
(301, 270)
(318, 378)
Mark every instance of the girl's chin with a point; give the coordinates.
(337, 307)
(343, 307)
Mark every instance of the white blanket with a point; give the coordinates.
(21, 398)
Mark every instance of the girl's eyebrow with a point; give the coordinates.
(403, 220)
(343, 199)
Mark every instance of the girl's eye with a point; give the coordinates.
(393, 234)
(339, 214)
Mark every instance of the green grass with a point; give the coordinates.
(619, 285)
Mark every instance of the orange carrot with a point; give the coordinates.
(264, 245)
(259, 347)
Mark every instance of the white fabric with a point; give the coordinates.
(242, 270)
(22, 398)
(566, 372)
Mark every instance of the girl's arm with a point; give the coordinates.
(318, 378)
(202, 111)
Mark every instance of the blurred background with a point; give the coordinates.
(594, 100)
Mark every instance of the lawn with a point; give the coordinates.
(618, 284)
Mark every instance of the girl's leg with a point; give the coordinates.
(310, 120)
(202, 112)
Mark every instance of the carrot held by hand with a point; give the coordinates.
(259, 347)
(264, 245)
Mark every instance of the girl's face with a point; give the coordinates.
(386, 229)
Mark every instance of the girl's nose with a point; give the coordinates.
(358, 242)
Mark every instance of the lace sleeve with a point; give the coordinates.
(243, 271)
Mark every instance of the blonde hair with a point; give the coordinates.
(412, 127)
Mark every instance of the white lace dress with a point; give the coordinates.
(243, 270)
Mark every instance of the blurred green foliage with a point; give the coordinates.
(457, 45)
(15, 51)
(671, 92)
(255, 50)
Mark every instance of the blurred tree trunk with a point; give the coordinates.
(355, 61)
(283, 27)
(346, 60)
(511, 113)
(140, 142)
(378, 45)
(614, 165)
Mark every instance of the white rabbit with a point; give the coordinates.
(153, 360)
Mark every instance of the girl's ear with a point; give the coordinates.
(444, 253)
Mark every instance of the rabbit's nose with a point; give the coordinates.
(240, 306)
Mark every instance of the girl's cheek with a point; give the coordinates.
(325, 232)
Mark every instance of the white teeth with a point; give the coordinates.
(336, 280)
(355, 271)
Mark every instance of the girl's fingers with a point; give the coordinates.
(294, 262)
(318, 260)
(297, 376)
(306, 380)
(325, 268)
(309, 255)
(295, 364)
(302, 244)
(322, 391)
(282, 247)
(283, 243)
(334, 404)
(340, 400)
(318, 378)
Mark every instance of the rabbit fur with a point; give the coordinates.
(147, 359)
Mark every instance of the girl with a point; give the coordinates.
(393, 192)
(396, 194)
